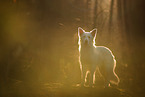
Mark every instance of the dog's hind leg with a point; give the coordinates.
(105, 73)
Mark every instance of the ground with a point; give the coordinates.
(20, 89)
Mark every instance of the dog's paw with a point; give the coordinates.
(107, 85)
(79, 85)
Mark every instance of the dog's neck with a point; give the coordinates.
(86, 47)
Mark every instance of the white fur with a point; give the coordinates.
(92, 57)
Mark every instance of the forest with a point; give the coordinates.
(39, 46)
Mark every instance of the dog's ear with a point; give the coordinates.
(80, 31)
(93, 32)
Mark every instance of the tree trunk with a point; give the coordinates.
(110, 19)
(95, 14)
(111, 15)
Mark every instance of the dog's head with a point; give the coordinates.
(87, 38)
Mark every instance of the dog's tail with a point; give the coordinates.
(118, 80)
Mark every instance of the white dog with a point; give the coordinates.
(92, 57)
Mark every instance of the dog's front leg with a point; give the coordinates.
(92, 78)
(83, 76)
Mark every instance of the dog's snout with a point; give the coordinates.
(86, 41)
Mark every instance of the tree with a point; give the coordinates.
(95, 14)
(111, 15)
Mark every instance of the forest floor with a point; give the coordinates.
(21, 89)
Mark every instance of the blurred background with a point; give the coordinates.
(39, 42)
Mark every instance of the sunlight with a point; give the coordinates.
(43, 54)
